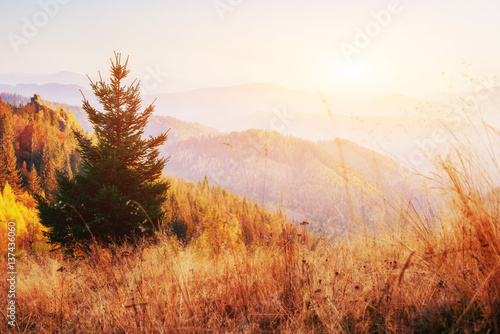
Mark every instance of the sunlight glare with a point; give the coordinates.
(344, 75)
(349, 73)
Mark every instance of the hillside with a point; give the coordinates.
(70, 94)
(218, 105)
(393, 125)
(62, 77)
(179, 130)
(43, 141)
(216, 220)
(222, 263)
(36, 142)
(306, 179)
(40, 141)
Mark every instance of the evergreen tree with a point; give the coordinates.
(34, 182)
(8, 161)
(118, 194)
(25, 175)
(206, 185)
(48, 172)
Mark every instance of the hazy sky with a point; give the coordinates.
(297, 44)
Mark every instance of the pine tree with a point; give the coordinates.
(8, 161)
(206, 185)
(48, 172)
(25, 175)
(118, 194)
(34, 182)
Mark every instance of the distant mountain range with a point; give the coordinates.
(218, 106)
(62, 78)
(69, 94)
(179, 130)
(330, 183)
(394, 125)
(223, 107)
(251, 139)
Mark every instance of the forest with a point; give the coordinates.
(45, 143)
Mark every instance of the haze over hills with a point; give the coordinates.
(62, 78)
(222, 106)
(329, 166)
(64, 93)
(306, 180)
(394, 125)
(218, 106)
(281, 170)
(214, 106)
(179, 130)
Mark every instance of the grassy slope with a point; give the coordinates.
(427, 276)
(433, 272)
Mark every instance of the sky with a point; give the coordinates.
(376, 47)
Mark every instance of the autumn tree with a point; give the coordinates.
(48, 172)
(118, 194)
(34, 182)
(8, 161)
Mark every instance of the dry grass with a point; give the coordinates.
(440, 272)
(441, 279)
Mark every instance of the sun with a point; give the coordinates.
(351, 73)
(343, 74)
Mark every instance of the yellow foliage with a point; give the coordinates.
(220, 234)
(20, 211)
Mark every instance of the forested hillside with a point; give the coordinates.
(216, 219)
(43, 142)
(37, 140)
(329, 183)
(179, 130)
(223, 260)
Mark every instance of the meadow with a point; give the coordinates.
(430, 273)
